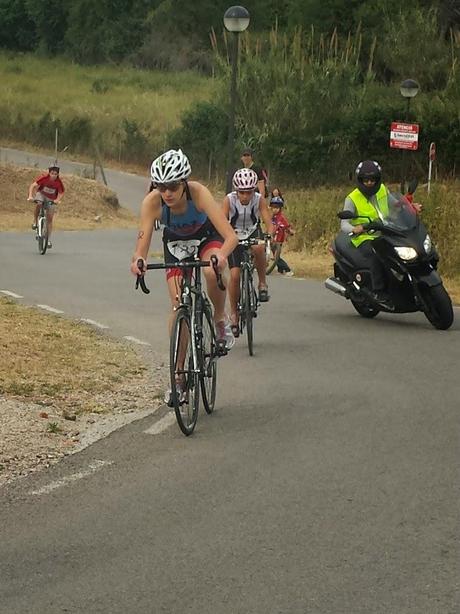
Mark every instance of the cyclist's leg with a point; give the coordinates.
(216, 295)
(49, 218)
(234, 262)
(36, 212)
(173, 279)
(38, 199)
(260, 261)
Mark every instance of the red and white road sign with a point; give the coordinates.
(404, 136)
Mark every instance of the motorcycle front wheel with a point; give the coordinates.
(438, 306)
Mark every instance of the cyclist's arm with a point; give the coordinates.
(150, 211)
(205, 202)
(59, 196)
(33, 190)
(266, 217)
(261, 186)
(226, 207)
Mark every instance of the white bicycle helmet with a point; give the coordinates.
(173, 165)
(245, 179)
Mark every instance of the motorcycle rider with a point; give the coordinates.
(370, 199)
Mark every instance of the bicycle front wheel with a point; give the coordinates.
(248, 309)
(208, 371)
(42, 235)
(275, 254)
(185, 389)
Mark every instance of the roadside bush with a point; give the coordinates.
(100, 86)
(203, 135)
(134, 142)
(77, 132)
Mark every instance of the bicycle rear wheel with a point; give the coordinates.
(42, 234)
(208, 371)
(272, 261)
(248, 309)
(185, 388)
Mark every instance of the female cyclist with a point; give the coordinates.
(193, 223)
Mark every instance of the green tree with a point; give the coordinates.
(107, 30)
(50, 20)
(18, 29)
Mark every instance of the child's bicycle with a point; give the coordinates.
(194, 349)
(41, 232)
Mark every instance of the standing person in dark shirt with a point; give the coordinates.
(248, 162)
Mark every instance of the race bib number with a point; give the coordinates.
(184, 249)
(244, 234)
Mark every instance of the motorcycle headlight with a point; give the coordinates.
(427, 244)
(406, 253)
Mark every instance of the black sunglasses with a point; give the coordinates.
(172, 186)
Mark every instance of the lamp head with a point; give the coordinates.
(409, 88)
(236, 19)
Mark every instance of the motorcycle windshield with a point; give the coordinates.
(396, 212)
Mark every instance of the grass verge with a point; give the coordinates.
(126, 110)
(50, 360)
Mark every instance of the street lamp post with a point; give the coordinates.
(236, 20)
(409, 89)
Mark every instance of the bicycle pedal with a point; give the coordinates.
(221, 347)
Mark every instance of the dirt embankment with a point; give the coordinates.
(86, 204)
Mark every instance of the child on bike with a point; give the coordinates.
(48, 189)
(282, 228)
(244, 207)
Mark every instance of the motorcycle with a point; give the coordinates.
(409, 261)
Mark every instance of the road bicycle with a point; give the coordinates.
(194, 349)
(248, 303)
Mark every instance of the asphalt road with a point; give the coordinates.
(325, 482)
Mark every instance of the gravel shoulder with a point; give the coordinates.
(36, 435)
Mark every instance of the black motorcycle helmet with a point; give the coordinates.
(369, 169)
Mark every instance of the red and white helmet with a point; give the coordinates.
(245, 179)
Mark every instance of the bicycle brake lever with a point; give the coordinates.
(140, 281)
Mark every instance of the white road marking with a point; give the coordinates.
(136, 340)
(93, 323)
(48, 308)
(96, 465)
(163, 424)
(12, 294)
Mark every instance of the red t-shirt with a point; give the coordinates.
(50, 188)
(282, 226)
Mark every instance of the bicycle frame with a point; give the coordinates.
(248, 264)
(193, 308)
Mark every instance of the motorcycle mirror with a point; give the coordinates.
(346, 215)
